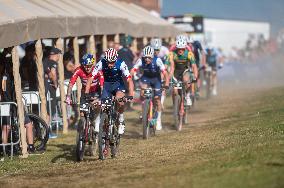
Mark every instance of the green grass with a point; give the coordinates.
(243, 148)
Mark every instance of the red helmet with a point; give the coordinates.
(111, 55)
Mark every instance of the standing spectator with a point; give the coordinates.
(28, 68)
(69, 66)
(50, 75)
(126, 55)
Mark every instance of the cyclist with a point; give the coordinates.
(84, 72)
(197, 50)
(211, 61)
(113, 70)
(152, 67)
(162, 52)
(182, 63)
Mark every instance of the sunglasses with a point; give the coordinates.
(88, 66)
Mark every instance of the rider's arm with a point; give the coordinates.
(171, 59)
(163, 71)
(96, 70)
(136, 67)
(101, 79)
(203, 54)
(193, 64)
(72, 81)
(128, 77)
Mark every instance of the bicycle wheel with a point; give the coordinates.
(40, 131)
(102, 137)
(177, 100)
(145, 120)
(80, 144)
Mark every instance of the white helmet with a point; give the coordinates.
(156, 43)
(189, 39)
(111, 55)
(148, 51)
(181, 43)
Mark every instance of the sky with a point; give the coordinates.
(271, 11)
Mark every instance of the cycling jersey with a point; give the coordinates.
(114, 74)
(84, 76)
(150, 70)
(182, 62)
(151, 73)
(113, 77)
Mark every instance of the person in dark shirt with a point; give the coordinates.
(69, 66)
(50, 75)
(28, 69)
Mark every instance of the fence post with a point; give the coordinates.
(18, 91)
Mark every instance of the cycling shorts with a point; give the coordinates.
(155, 83)
(110, 89)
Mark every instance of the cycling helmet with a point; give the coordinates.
(181, 43)
(148, 51)
(87, 59)
(111, 55)
(189, 39)
(156, 43)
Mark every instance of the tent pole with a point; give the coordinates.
(40, 77)
(18, 91)
(77, 64)
(116, 38)
(134, 45)
(59, 45)
(145, 41)
(104, 42)
(92, 45)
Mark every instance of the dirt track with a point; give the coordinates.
(152, 160)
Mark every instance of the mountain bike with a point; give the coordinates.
(181, 111)
(108, 133)
(149, 114)
(86, 134)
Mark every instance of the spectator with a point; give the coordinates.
(8, 95)
(50, 75)
(127, 56)
(28, 68)
(69, 65)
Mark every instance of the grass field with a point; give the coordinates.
(234, 140)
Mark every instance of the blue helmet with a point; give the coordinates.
(87, 59)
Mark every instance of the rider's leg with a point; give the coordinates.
(186, 79)
(96, 118)
(157, 99)
(214, 82)
(120, 109)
